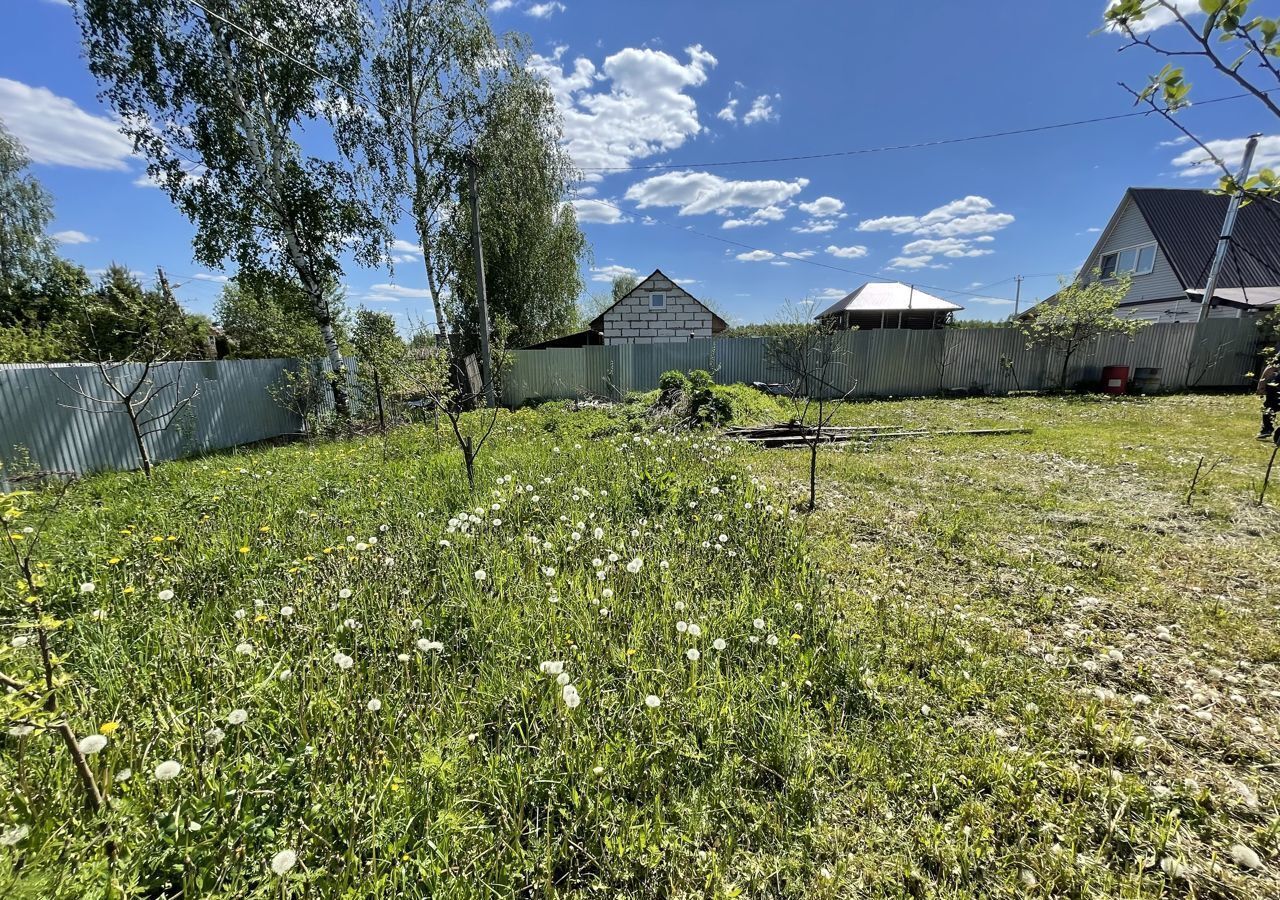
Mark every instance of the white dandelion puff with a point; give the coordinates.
(693, 654)
(374, 705)
(237, 717)
(91, 744)
(342, 661)
(635, 565)
(88, 587)
(244, 648)
(165, 595)
(653, 701)
(168, 770)
(283, 861)
(719, 644)
(481, 574)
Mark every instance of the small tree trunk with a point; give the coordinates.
(470, 462)
(143, 456)
(813, 471)
(1266, 479)
(377, 390)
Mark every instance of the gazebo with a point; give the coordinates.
(888, 304)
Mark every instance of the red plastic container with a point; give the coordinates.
(1115, 379)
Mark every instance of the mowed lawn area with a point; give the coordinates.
(628, 666)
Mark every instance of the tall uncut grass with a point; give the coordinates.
(319, 672)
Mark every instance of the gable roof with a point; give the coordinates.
(717, 324)
(888, 296)
(1186, 222)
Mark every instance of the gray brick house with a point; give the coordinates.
(656, 311)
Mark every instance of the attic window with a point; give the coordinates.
(657, 301)
(1138, 260)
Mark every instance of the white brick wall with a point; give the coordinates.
(631, 321)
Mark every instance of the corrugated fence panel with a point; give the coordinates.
(46, 424)
(64, 418)
(903, 362)
(741, 361)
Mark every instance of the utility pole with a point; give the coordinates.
(482, 303)
(1228, 225)
(1017, 295)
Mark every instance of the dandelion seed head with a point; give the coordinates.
(374, 705)
(237, 717)
(165, 595)
(88, 587)
(653, 701)
(719, 644)
(283, 861)
(693, 654)
(167, 770)
(91, 744)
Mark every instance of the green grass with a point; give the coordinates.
(938, 716)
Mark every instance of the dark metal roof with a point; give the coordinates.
(1186, 224)
(587, 338)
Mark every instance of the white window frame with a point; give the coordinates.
(661, 298)
(1135, 261)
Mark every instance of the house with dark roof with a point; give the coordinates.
(888, 304)
(1165, 238)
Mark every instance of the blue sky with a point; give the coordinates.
(685, 84)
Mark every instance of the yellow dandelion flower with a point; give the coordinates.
(113, 561)
(108, 727)
(130, 589)
(244, 549)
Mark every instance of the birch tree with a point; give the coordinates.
(215, 95)
(430, 75)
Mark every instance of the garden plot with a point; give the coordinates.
(626, 666)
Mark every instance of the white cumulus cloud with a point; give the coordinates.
(73, 237)
(948, 230)
(1195, 163)
(761, 110)
(729, 112)
(854, 252)
(823, 207)
(55, 131)
(697, 193)
(632, 107)
(399, 291)
(909, 262)
(597, 212)
(606, 274)
(755, 256)
(760, 217)
(799, 254)
(544, 10)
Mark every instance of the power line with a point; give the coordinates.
(917, 145)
